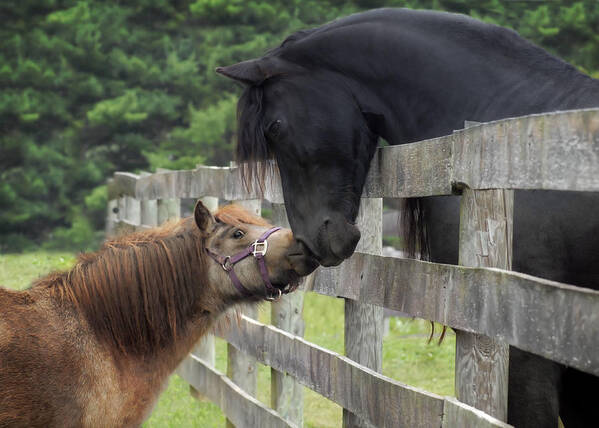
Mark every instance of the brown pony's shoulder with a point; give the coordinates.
(236, 214)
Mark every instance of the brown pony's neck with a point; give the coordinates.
(141, 294)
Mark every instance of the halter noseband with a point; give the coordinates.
(258, 250)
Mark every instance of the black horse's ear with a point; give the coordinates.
(248, 72)
(256, 71)
(203, 218)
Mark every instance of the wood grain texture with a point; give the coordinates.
(372, 396)
(408, 170)
(460, 415)
(243, 410)
(364, 322)
(111, 218)
(552, 151)
(287, 395)
(123, 221)
(168, 209)
(129, 210)
(489, 301)
(241, 367)
(121, 184)
(558, 151)
(377, 399)
(222, 182)
(149, 212)
(486, 230)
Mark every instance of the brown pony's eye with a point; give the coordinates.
(238, 234)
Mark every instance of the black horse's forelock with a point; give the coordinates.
(252, 151)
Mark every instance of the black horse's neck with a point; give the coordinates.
(433, 71)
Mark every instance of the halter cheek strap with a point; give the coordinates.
(257, 249)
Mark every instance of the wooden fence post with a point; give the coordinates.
(149, 213)
(127, 215)
(481, 370)
(287, 396)
(364, 322)
(168, 209)
(205, 348)
(241, 368)
(111, 218)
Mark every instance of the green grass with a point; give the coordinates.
(19, 270)
(406, 355)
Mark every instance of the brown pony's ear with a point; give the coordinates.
(203, 218)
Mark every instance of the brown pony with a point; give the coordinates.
(94, 346)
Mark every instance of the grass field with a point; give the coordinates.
(406, 355)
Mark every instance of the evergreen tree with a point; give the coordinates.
(90, 87)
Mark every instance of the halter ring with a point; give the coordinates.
(274, 298)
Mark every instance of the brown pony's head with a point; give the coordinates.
(230, 237)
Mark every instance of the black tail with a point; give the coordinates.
(413, 228)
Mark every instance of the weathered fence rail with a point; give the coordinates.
(552, 151)
(488, 307)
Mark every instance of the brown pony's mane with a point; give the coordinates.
(137, 291)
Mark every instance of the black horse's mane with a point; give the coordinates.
(252, 151)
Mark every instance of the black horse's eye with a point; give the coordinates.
(274, 128)
(238, 234)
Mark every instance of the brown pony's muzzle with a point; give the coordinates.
(301, 259)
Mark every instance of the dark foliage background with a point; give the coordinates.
(89, 87)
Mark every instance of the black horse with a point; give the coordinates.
(319, 102)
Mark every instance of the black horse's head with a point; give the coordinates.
(311, 123)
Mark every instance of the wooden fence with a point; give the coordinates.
(489, 306)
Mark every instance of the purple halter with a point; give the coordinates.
(258, 250)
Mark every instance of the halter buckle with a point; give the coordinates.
(226, 264)
(259, 248)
